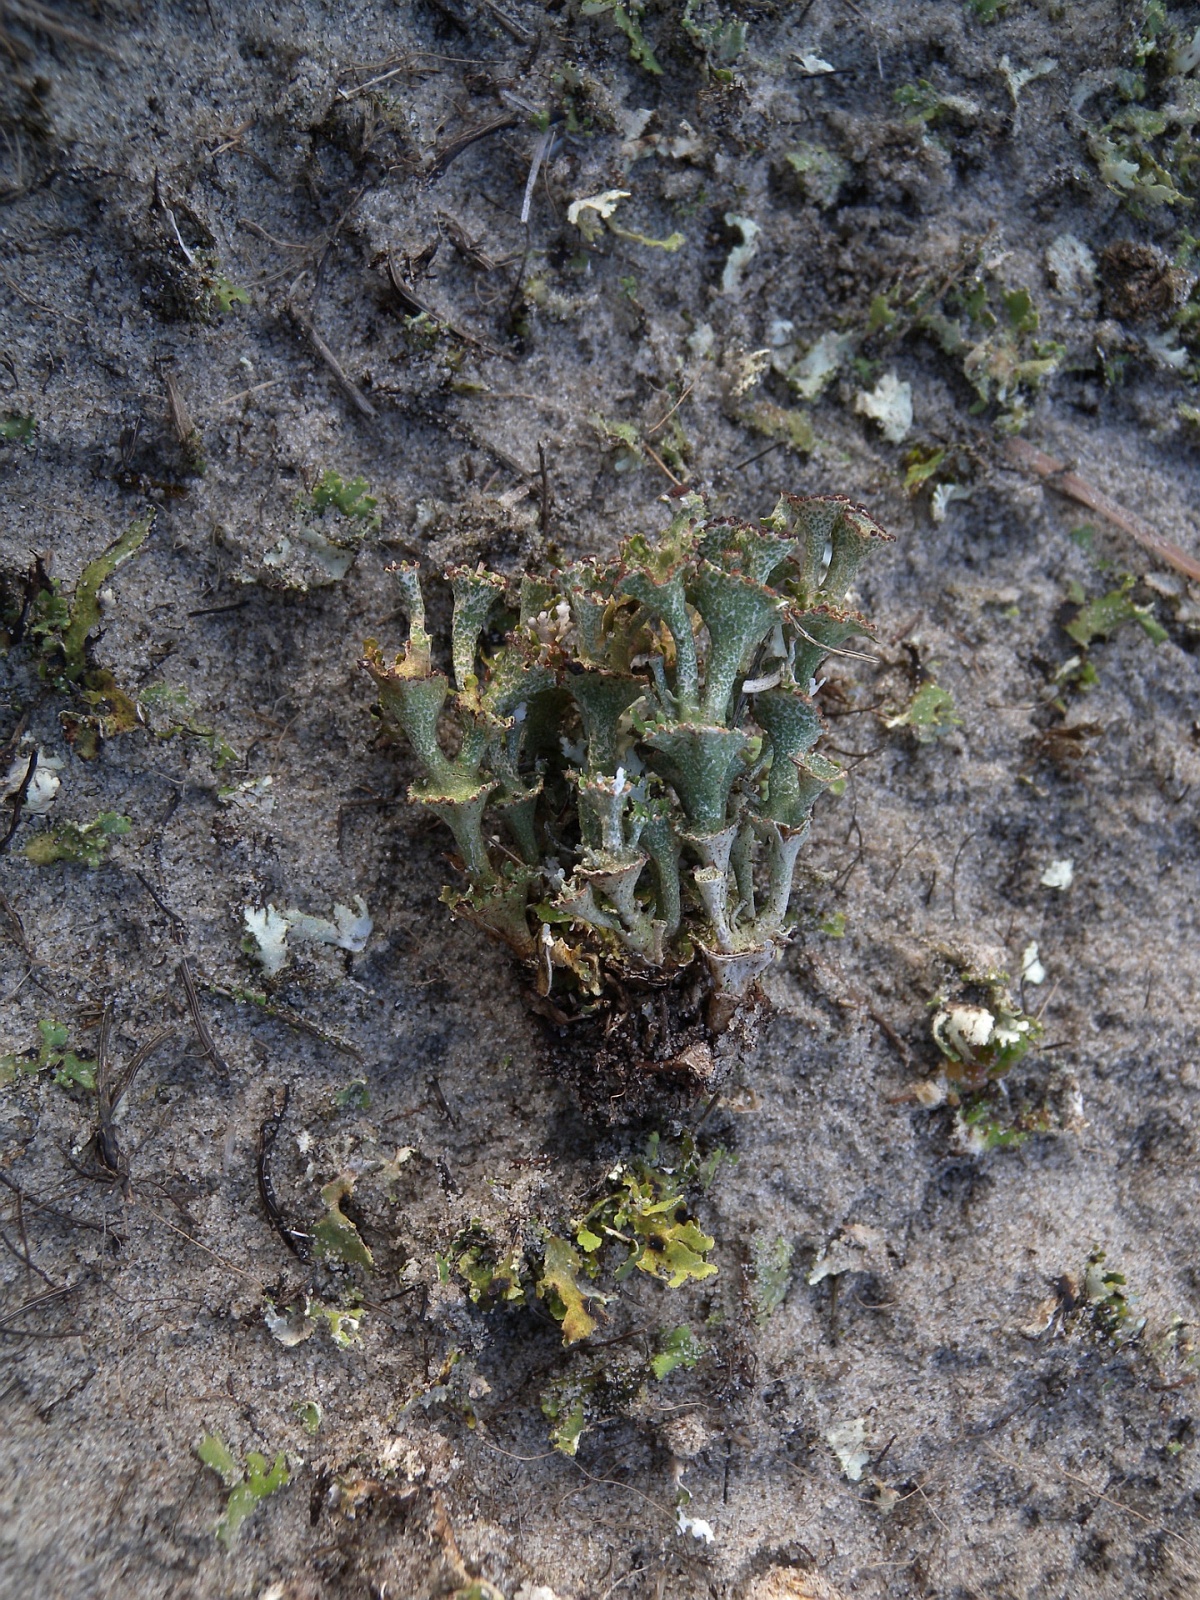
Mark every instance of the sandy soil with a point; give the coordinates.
(153, 159)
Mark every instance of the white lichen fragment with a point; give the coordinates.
(1186, 53)
(1032, 969)
(964, 1029)
(349, 930)
(252, 795)
(696, 1526)
(745, 370)
(1017, 77)
(890, 405)
(43, 786)
(270, 929)
(944, 496)
(931, 1093)
(700, 343)
(742, 254)
(857, 1248)
(811, 65)
(288, 1328)
(1166, 350)
(847, 1442)
(1059, 875)
(1071, 265)
(819, 367)
(601, 205)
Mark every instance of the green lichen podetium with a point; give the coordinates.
(634, 769)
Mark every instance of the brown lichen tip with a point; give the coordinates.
(634, 768)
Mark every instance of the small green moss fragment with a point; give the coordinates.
(1099, 618)
(678, 1348)
(15, 428)
(335, 1237)
(168, 711)
(983, 1034)
(672, 242)
(355, 1096)
(623, 438)
(308, 1412)
(568, 1425)
(818, 173)
(493, 1277)
(880, 314)
(85, 602)
(1112, 1312)
(1020, 311)
(927, 104)
(226, 295)
(788, 424)
(79, 844)
(75, 1073)
(248, 1486)
(628, 20)
(351, 499)
(929, 715)
(54, 1038)
(70, 1070)
(589, 1391)
(344, 1322)
(722, 39)
(921, 465)
(215, 1453)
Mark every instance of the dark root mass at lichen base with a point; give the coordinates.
(648, 1051)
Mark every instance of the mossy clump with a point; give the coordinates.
(625, 754)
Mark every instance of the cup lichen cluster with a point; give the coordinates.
(625, 751)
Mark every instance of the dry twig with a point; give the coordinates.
(345, 382)
(1059, 476)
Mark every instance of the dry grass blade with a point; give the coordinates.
(463, 141)
(1059, 476)
(345, 382)
(42, 20)
(416, 305)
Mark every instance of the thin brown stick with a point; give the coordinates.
(18, 802)
(234, 138)
(662, 465)
(37, 1300)
(207, 1042)
(285, 1014)
(1059, 476)
(463, 141)
(187, 977)
(43, 21)
(544, 513)
(417, 305)
(345, 382)
(297, 1241)
(37, 305)
(662, 421)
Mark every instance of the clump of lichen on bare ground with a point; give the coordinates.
(625, 754)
